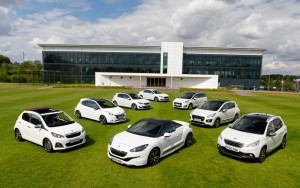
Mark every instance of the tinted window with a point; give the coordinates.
(231, 105)
(25, 117)
(168, 128)
(84, 103)
(106, 104)
(187, 95)
(211, 105)
(250, 124)
(121, 95)
(278, 124)
(57, 119)
(35, 119)
(146, 127)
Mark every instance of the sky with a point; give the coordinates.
(269, 24)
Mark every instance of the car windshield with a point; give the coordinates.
(106, 104)
(211, 105)
(250, 124)
(57, 119)
(187, 96)
(156, 92)
(149, 128)
(134, 96)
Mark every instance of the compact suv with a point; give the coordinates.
(148, 140)
(53, 129)
(190, 100)
(153, 94)
(253, 136)
(100, 110)
(130, 100)
(215, 112)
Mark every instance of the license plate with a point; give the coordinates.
(231, 148)
(74, 140)
(177, 104)
(116, 160)
(197, 119)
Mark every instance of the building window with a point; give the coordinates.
(165, 62)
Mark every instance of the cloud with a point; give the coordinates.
(273, 25)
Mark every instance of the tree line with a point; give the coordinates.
(27, 71)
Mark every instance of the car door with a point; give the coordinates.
(86, 109)
(270, 137)
(229, 112)
(170, 142)
(36, 129)
(24, 125)
(279, 130)
(93, 110)
(127, 100)
(120, 99)
(147, 94)
(223, 113)
(199, 99)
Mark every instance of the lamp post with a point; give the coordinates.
(282, 81)
(269, 83)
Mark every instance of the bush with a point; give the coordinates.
(4, 78)
(18, 79)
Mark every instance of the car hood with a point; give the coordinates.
(180, 100)
(126, 141)
(240, 136)
(201, 112)
(66, 129)
(142, 100)
(116, 110)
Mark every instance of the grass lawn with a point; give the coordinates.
(24, 164)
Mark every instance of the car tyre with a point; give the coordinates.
(283, 142)
(78, 114)
(153, 157)
(217, 123)
(103, 120)
(18, 135)
(133, 106)
(262, 155)
(115, 102)
(235, 117)
(155, 99)
(47, 145)
(188, 140)
(190, 107)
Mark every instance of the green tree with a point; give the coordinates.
(4, 60)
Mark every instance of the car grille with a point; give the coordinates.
(118, 152)
(198, 117)
(177, 104)
(166, 98)
(121, 116)
(74, 143)
(72, 135)
(233, 143)
(146, 104)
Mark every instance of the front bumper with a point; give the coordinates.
(124, 158)
(243, 152)
(116, 119)
(142, 106)
(181, 105)
(66, 143)
(202, 121)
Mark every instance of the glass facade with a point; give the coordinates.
(72, 67)
(232, 69)
(165, 62)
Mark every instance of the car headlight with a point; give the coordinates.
(140, 103)
(161, 96)
(82, 130)
(256, 143)
(186, 101)
(57, 135)
(139, 148)
(109, 113)
(211, 115)
(220, 137)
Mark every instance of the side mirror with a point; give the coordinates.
(38, 126)
(129, 99)
(229, 125)
(272, 134)
(167, 135)
(224, 110)
(128, 126)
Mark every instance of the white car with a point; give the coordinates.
(53, 129)
(190, 100)
(146, 141)
(100, 110)
(215, 112)
(130, 100)
(153, 94)
(253, 136)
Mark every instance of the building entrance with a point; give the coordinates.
(156, 82)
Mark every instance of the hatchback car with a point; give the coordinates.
(53, 129)
(100, 110)
(215, 112)
(253, 136)
(146, 141)
(153, 94)
(190, 100)
(130, 100)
